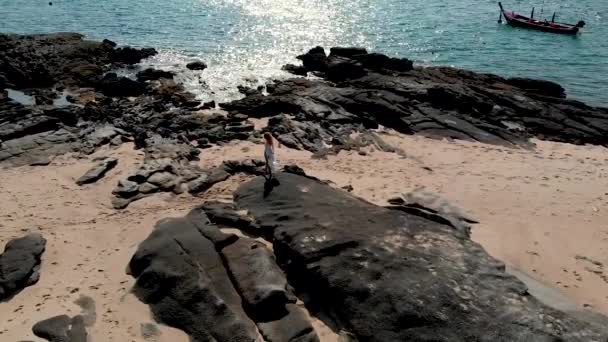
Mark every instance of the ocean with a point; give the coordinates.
(247, 41)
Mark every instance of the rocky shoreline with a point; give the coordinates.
(339, 250)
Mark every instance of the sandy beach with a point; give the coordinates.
(542, 211)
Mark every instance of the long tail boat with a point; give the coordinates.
(515, 19)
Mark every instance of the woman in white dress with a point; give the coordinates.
(269, 155)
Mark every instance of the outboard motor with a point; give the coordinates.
(580, 24)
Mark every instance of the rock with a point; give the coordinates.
(314, 60)
(196, 65)
(248, 90)
(97, 172)
(541, 87)
(206, 181)
(120, 202)
(165, 180)
(392, 276)
(348, 188)
(61, 329)
(299, 70)
(226, 214)
(348, 52)
(252, 166)
(42, 60)
(382, 63)
(208, 105)
(199, 219)
(147, 188)
(375, 90)
(292, 326)
(129, 55)
(84, 74)
(20, 264)
(113, 85)
(182, 277)
(240, 127)
(126, 188)
(258, 278)
(295, 169)
(41, 161)
(151, 74)
(152, 166)
(340, 69)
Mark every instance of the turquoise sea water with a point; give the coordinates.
(247, 41)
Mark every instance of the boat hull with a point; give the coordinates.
(541, 26)
(518, 20)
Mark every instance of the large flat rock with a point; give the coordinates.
(387, 275)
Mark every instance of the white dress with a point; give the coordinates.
(269, 156)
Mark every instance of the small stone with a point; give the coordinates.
(120, 203)
(148, 188)
(348, 188)
(165, 180)
(98, 171)
(126, 188)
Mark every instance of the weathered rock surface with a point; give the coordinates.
(392, 276)
(214, 285)
(20, 264)
(98, 171)
(366, 90)
(183, 279)
(293, 326)
(258, 278)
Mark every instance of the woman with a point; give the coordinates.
(269, 155)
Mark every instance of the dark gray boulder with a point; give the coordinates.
(392, 276)
(97, 172)
(20, 264)
(61, 329)
(182, 277)
(196, 65)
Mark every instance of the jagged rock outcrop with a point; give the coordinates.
(20, 264)
(43, 60)
(364, 90)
